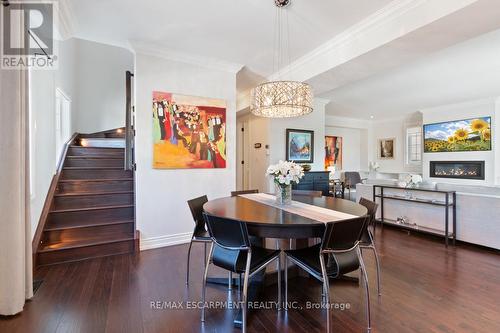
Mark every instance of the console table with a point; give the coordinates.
(448, 202)
(315, 181)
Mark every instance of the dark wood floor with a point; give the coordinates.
(426, 288)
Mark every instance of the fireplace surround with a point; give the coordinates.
(457, 169)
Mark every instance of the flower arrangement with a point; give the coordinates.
(413, 180)
(284, 175)
(374, 166)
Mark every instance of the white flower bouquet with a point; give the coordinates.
(413, 180)
(284, 175)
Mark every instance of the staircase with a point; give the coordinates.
(92, 209)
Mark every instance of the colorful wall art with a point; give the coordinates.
(188, 132)
(300, 146)
(461, 135)
(333, 152)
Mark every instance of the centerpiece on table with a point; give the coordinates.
(284, 175)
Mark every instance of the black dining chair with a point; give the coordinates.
(200, 233)
(307, 193)
(336, 255)
(235, 193)
(231, 249)
(367, 237)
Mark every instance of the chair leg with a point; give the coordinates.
(377, 260)
(230, 281)
(189, 256)
(367, 289)
(279, 282)
(245, 293)
(286, 283)
(204, 286)
(205, 254)
(326, 288)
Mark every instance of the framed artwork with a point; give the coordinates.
(188, 132)
(299, 146)
(333, 152)
(386, 148)
(461, 135)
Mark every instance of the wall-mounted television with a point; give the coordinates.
(472, 134)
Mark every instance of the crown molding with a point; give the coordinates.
(379, 20)
(66, 19)
(207, 62)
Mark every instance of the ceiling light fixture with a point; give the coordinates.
(281, 98)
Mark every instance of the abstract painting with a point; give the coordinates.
(333, 152)
(300, 146)
(461, 135)
(386, 148)
(188, 132)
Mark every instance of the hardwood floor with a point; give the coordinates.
(426, 288)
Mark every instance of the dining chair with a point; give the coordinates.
(307, 193)
(367, 236)
(200, 233)
(231, 249)
(336, 255)
(235, 193)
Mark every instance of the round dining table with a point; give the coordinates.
(272, 222)
(265, 221)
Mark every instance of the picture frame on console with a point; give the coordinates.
(299, 145)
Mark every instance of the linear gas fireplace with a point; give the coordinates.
(457, 169)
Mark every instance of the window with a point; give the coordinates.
(414, 145)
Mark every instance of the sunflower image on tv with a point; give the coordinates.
(462, 135)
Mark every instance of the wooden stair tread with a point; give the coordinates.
(89, 208)
(79, 243)
(94, 168)
(96, 157)
(96, 180)
(88, 225)
(77, 194)
(78, 146)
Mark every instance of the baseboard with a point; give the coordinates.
(162, 241)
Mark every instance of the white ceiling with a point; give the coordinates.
(466, 71)
(237, 31)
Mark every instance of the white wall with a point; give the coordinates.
(100, 104)
(351, 146)
(478, 108)
(163, 216)
(43, 84)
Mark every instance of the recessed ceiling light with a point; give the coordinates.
(371, 117)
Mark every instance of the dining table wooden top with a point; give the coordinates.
(272, 222)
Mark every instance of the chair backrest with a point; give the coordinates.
(370, 206)
(307, 193)
(227, 233)
(372, 211)
(196, 207)
(343, 235)
(352, 178)
(235, 193)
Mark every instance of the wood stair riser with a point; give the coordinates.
(96, 174)
(93, 151)
(95, 186)
(97, 232)
(78, 218)
(81, 253)
(88, 201)
(94, 162)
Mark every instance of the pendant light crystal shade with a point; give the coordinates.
(282, 99)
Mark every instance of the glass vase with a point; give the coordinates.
(283, 194)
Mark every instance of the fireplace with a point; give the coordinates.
(457, 169)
